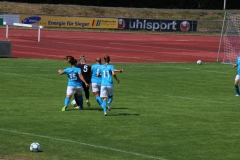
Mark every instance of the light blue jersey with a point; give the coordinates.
(73, 78)
(238, 63)
(95, 79)
(106, 74)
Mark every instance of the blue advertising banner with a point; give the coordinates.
(157, 25)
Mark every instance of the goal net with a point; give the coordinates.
(231, 37)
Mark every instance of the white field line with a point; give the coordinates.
(194, 69)
(190, 98)
(102, 147)
(14, 74)
(180, 97)
(82, 143)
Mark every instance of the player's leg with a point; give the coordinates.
(76, 98)
(79, 91)
(110, 97)
(69, 93)
(236, 85)
(96, 92)
(86, 91)
(103, 95)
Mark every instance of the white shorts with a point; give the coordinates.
(71, 89)
(106, 91)
(96, 87)
(237, 77)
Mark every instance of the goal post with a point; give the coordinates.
(230, 36)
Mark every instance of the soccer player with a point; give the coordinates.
(96, 81)
(75, 80)
(106, 71)
(86, 72)
(237, 78)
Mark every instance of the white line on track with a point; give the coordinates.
(81, 143)
(67, 51)
(187, 52)
(142, 45)
(136, 50)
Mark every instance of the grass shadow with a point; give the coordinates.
(123, 114)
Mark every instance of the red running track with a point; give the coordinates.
(122, 47)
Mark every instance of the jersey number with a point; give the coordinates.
(85, 68)
(106, 73)
(73, 76)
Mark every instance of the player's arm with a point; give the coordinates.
(115, 76)
(83, 80)
(98, 72)
(235, 65)
(118, 70)
(60, 72)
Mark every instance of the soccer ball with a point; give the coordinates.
(73, 103)
(199, 62)
(35, 147)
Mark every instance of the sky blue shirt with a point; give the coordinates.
(73, 78)
(95, 79)
(106, 74)
(238, 63)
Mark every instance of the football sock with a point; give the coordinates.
(99, 100)
(76, 99)
(110, 99)
(80, 100)
(237, 89)
(104, 105)
(67, 99)
(86, 91)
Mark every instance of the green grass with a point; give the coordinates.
(172, 111)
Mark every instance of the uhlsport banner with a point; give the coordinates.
(70, 22)
(157, 25)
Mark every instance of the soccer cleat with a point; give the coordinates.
(64, 108)
(105, 114)
(78, 107)
(109, 106)
(237, 95)
(81, 108)
(88, 103)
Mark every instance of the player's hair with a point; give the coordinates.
(82, 57)
(107, 58)
(98, 60)
(73, 61)
(68, 57)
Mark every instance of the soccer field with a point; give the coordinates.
(164, 111)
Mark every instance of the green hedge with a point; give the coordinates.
(163, 4)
